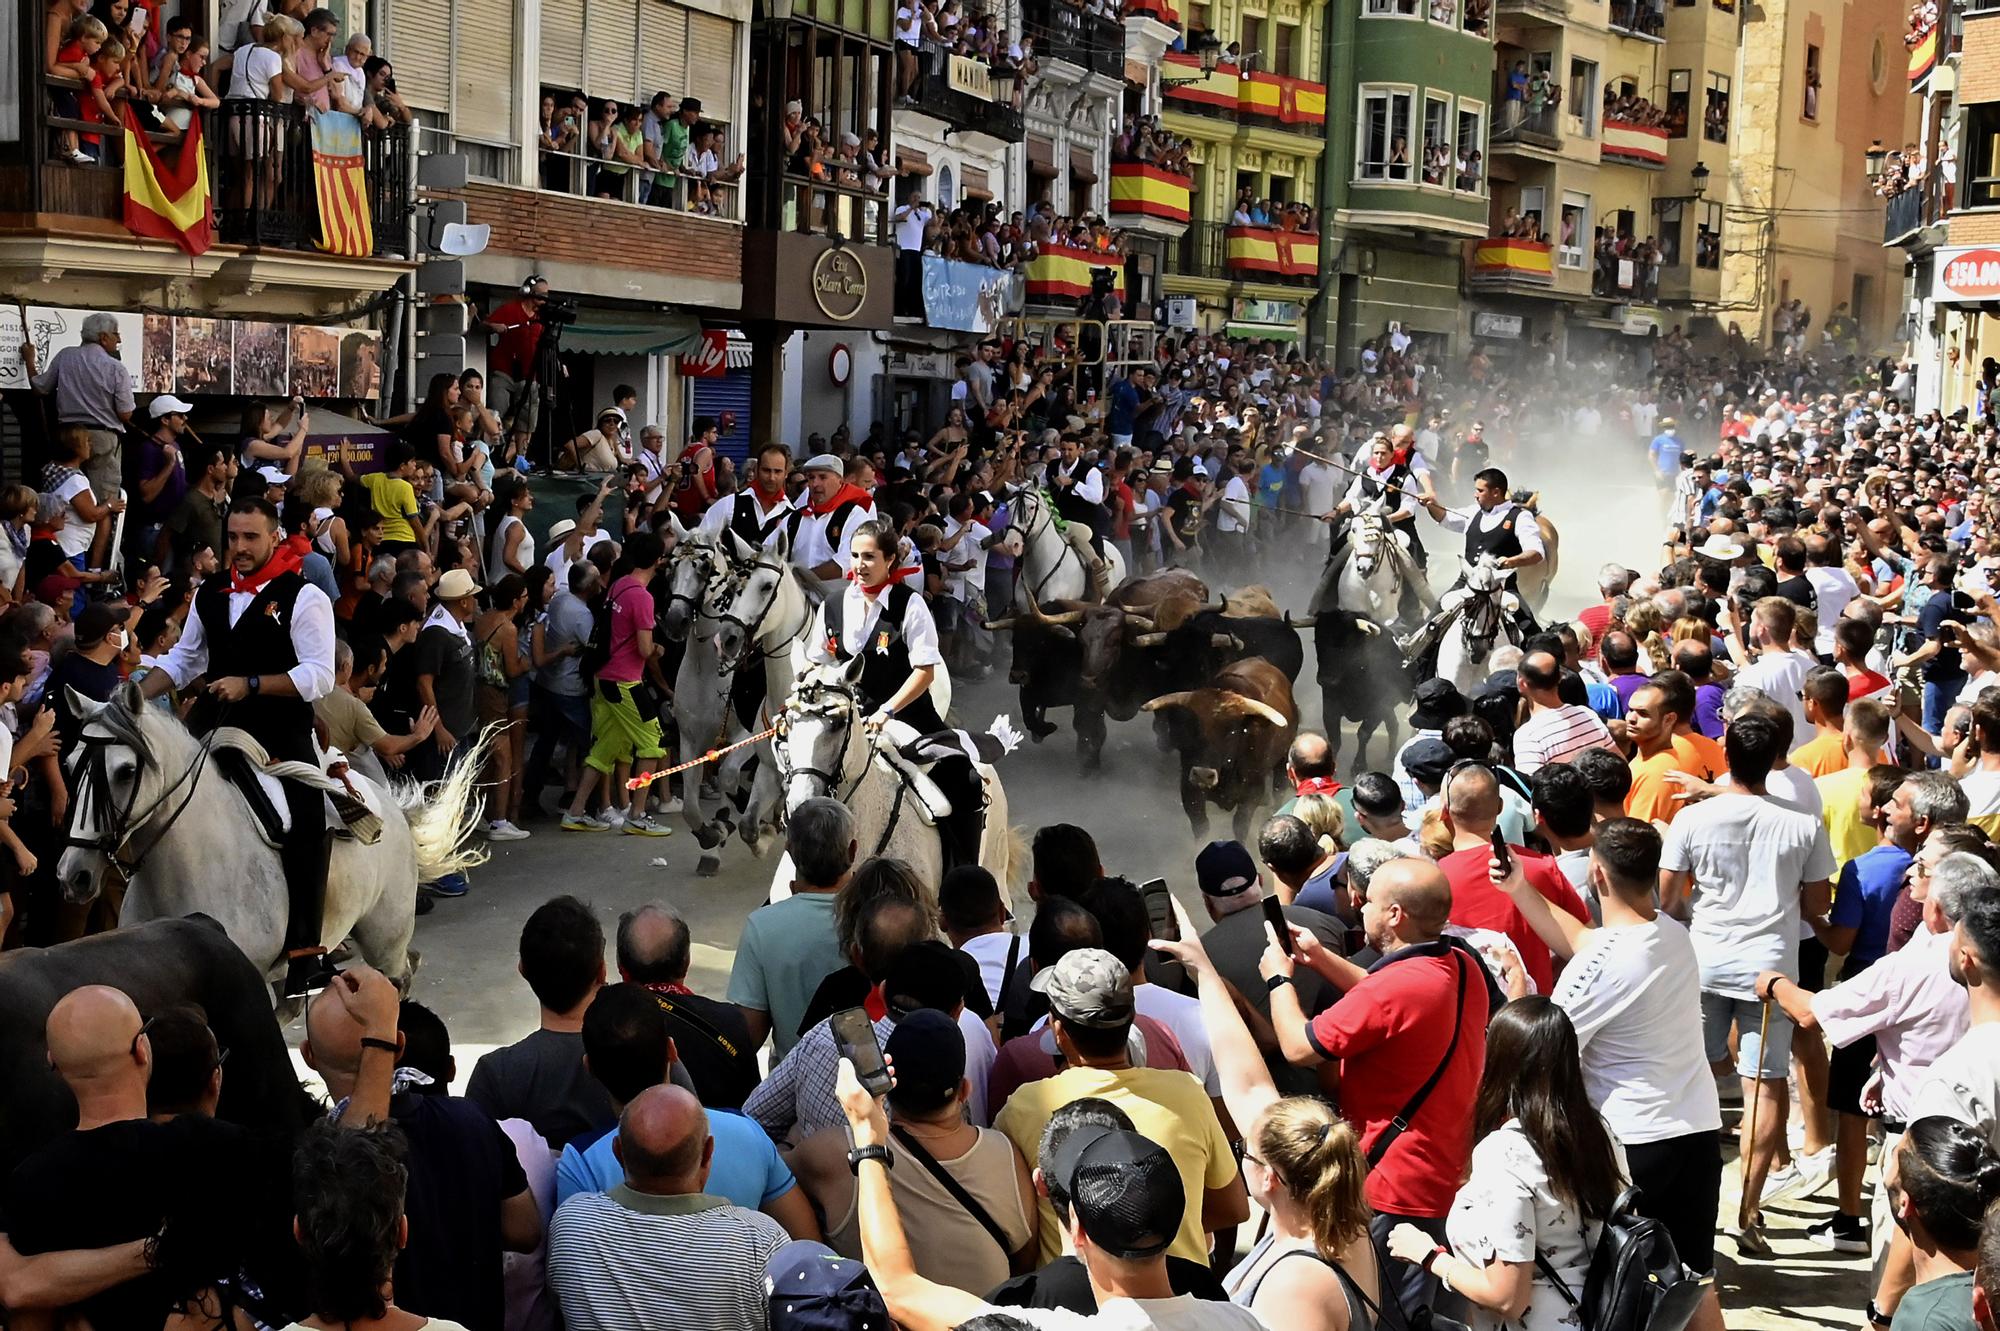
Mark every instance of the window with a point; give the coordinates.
(1384, 141)
(1680, 84)
(1672, 213)
(947, 188)
(1573, 242)
(1533, 202)
(1708, 237)
(1250, 34)
(1445, 12)
(1583, 91)
(1811, 108)
(1437, 141)
(1982, 156)
(1715, 111)
(1284, 49)
(1393, 8)
(1470, 168)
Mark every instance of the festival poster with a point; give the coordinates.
(53, 329)
(156, 354)
(315, 360)
(263, 356)
(202, 352)
(361, 364)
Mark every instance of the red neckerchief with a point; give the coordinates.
(1318, 785)
(876, 1006)
(870, 592)
(770, 500)
(841, 496)
(285, 559)
(671, 989)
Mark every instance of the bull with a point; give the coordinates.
(1232, 735)
(1363, 678)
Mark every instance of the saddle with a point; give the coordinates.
(261, 781)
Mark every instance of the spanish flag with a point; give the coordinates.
(1137, 187)
(1065, 271)
(1512, 257)
(340, 180)
(1924, 55)
(168, 201)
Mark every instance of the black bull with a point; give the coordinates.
(1101, 669)
(157, 965)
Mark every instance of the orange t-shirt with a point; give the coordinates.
(1700, 755)
(1652, 796)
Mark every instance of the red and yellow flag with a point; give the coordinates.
(1150, 191)
(341, 182)
(168, 201)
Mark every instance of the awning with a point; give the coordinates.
(1041, 157)
(1083, 165)
(633, 333)
(1262, 332)
(973, 184)
(912, 158)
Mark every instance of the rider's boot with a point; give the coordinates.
(1081, 540)
(306, 859)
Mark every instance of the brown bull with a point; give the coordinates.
(1232, 735)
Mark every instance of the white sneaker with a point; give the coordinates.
(667, 807)
(500, 829)
(640, 825)
(610, 818)
(1803, 1177)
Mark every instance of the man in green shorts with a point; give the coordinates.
(624, 711)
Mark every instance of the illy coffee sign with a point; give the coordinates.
(711, 359)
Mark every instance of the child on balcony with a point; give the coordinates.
(107, 83)
(73, 59)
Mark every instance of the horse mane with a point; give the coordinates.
(125, 725)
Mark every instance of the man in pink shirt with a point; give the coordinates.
(315, 57)
(624, 710)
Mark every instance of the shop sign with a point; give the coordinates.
(971, 77)
(1251, 310)
(920, 365)
(1505, 326)
(1966, 275)
(839, 284)
(1182, 312)
(711, 359)
(966, 297)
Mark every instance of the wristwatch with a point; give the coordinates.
(1276, 982)
(860, 1153)
(256, 683)
(1430, 1258)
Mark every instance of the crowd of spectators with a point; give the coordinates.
(931, 32)
(1631, 108)
(1613, 249)
(1140, 139)
(662, 153)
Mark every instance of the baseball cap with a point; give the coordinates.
(924, 975)
(1088, 987)
(1224, 869)
(274, 476)
(99, 618)
(1428, 760)
(1123, 1189)
(825, 462)
(929, 1053)
(810, 1287)
(691, 104)
(166, 403)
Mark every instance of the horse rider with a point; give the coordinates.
(1077, 487)
(757, 512)
(826, 518)
(881, 620)
(1493, 524)
(1386, 484)
(263, 637)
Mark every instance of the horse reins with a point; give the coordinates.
(98, 783)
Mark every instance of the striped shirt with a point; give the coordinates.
(632, 1261)
(1556, 736)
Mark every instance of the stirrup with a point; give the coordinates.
(308, 974)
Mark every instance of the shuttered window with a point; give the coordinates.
(420, 49)
(663, 49)
(483, 69)
(562, 43)
(611, 49)
(711, 63)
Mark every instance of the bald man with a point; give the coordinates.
(1422, 1007)
(1310, 767)
(657, 1250)
(468, 1199)
(81, 1208)
(710, 1036)
(1471, 798)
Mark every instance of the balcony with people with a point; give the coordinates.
(1226, 82)
(1530, 103)
(1152, 179)
(1264, 241)
(1915, 193)
(666, 154)
(964, 68)
(109, 89)
(1635, 131)
(1644, 19)
(1089, 38)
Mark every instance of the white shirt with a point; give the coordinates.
(1527, 529)
(723, 511)
(812, 547)
(1319, 482)
(990, 951)
(355, 79)
(1749, 858)
(1634, 996)
(312, 643)
(1779, 677)
(910, 222)
(1965, 1083)
(972, 549)
(75, 534)
(1181, 1014)
(253, 71)
(1089, 485)
(1557, 736)
(858, 616)
(1401, 500)
(1233, 513)
(1911, 1005)
(1835, 588)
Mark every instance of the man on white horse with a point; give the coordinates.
(823, 527)
(1493, 525)
(882, 621)
(264, 637)
(1389, 487)
(1077, 486)
(757, 513)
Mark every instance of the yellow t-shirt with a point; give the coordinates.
(396, 501)
(1982, 796)
(1165, 1105)
(1840, 799)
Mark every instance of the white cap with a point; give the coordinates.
(167, 403)
(825, 462)
(274, 476)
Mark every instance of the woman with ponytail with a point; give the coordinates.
(1302, 1163)
(1941, 1178)
(348, 1185)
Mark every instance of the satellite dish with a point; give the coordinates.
(462, 239)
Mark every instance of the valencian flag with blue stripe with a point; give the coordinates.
(168, 200)
(341, 183)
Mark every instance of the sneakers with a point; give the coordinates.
(609, 818)
(451, 885)
(1750, 1242)
(1842, 1233)
(639, 824)
(1806, 1175)
(667, 807)
(572, 823)
(502, 830)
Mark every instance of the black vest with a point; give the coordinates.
(836, 523)
(1399, 476)
(885, 655)
(260, 643)
(744, 522)
(1068, 503)
(1502, 542)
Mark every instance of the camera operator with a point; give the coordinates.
(512, 390)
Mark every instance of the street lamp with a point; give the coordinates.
(1700, 178)
(1876, 157)
(1206, 47)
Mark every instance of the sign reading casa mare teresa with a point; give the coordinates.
(840, 284)
(1967, 275)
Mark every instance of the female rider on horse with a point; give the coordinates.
(884, 623)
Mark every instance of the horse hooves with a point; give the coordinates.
(708, 866)
(707, 837)
(1039, 731)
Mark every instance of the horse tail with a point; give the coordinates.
(444, 814)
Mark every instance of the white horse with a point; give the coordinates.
(1051, 568)
(1371, 581)
(1476, 621)
(824, 748)
(152, 801)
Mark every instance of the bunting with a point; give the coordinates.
(168, 200)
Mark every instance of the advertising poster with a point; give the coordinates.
(202, 352)
(315, 360)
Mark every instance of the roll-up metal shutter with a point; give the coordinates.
(712, 63)
(562, 43)
(726, 392)
(611, 41)
(420, 48)
(663, 50)
(483, 69)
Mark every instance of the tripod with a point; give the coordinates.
(545, 379)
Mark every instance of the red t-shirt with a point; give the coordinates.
(1477, 904)
(1390, 1032)
(514, 354)
(1866, 682)
(1596, 618)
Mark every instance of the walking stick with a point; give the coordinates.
(1756, 1095)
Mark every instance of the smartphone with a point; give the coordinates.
(1274, 913)
(854, 1037)
(1501, 853)
(1160, 917)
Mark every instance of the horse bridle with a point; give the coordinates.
(97, 783)
(1047, 504)
(694, 599)
(750, 628)
(829, 781)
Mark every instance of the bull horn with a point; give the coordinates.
(999, 625)
(1260, 709)
(1139, 623)
(1225, 642)
(1181, 699)
(1066, 617)
(1062, 631)
(1368, 626)
(1150, 640)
